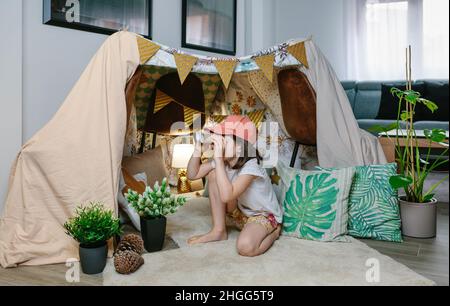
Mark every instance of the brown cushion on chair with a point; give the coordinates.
(150, 162)
(298, 103)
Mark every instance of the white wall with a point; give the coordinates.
(53, 60)
(10, 88)
(323, 19)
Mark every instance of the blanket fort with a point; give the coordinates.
(77, 156)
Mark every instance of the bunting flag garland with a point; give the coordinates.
(190, 115)
(226, 70)
(185, 63)
(161, 101)
(265, 63)
(257, 117)
(299, 52)
(147, 49)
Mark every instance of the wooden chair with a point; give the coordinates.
(298, 103)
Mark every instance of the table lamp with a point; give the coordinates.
(182, 153)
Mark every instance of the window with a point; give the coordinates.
(379, 31)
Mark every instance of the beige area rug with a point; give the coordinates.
(289, 262)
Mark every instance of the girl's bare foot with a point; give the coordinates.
(210, 237)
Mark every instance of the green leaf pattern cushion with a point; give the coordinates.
(315, 203)
(373, 207)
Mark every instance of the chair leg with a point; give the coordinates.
(154, 140)
(294, 154)
(142, 145)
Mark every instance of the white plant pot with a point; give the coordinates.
(419, 220)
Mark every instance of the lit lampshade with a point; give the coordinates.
(182, 153)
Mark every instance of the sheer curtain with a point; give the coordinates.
(378, 32)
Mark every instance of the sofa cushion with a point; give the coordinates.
(437, 92)
(350, 90)
(389, 103)
(367, 101)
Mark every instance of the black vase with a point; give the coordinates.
(93, 257)
(153, 232)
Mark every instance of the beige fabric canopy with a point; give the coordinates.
(77, 156)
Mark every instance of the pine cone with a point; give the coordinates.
(126, 246)
(136, 241)
(127, 262)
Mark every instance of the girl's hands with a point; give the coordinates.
(219, 147)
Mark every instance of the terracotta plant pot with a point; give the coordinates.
(153, 232)
(93, 257)
(419, 220)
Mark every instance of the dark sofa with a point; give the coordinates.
(373, 104)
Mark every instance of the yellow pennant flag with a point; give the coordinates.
(185, 63)
(299, 52)
(147, 49)
(257, 117)
(265, 63)
(161, 101)
(217, 119)
(226, 70)
(190, 115)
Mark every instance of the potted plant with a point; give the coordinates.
(418, 206)
(153, 206)
(92, 226)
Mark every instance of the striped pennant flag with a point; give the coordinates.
(257, 117)
(161, 101)
(190, 115)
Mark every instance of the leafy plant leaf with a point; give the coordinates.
(430, 105)
(400, 181)
(436, 135)
(383, 129)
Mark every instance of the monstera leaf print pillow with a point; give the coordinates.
(315, 203)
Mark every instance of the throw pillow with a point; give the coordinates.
(437, 92)
(315, 203)
(150, 162)
(389, 103)
(373, 204)
(373, 207)
(123, 203)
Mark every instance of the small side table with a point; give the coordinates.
(388, 142)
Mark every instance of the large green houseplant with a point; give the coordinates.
(418, 206)
(92, 226)
(153, 206)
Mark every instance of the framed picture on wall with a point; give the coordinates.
(100, 16)
(210, 25)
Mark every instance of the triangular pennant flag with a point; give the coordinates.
(265, 63)
(190, 116)
(217, 119)
(257, 117)
(185, 63)
(299, 52)
(147, 49)
(161, 101)
(226, 70)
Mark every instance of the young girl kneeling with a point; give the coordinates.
(238, 187)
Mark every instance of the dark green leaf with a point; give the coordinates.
(400, 181)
